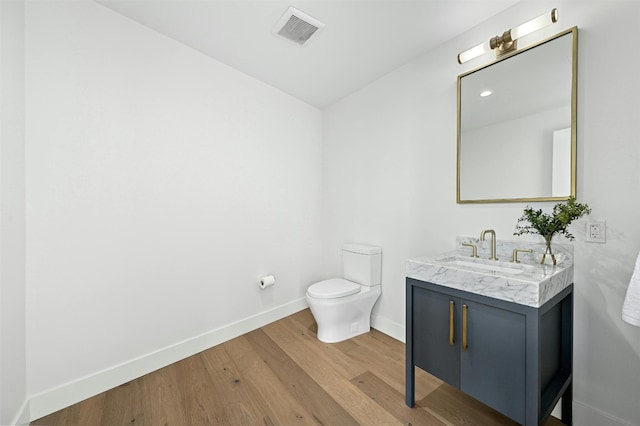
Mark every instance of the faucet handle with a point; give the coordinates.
(519, 250)
(473, 247)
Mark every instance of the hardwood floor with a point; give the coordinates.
(282, 375)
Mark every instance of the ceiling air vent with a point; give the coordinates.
(297, 27)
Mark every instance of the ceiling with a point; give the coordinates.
(362, 40)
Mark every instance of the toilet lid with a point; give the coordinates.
(333, 288)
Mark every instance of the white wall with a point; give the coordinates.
(389, 179)
(12, 210)
(161, 185)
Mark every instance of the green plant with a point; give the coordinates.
(548, 225)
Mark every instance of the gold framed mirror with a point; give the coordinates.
(518, 142)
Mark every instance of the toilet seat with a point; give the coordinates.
(333, 288)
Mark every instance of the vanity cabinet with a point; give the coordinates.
(513, 358)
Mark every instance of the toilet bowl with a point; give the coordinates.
(342, 306)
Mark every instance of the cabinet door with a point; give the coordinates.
(432, 349)
(493, 363)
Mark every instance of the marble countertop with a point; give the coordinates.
(529, 284)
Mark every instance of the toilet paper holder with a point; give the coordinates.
(267, 281)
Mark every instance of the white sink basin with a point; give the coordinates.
(486, 265)
(495, 268)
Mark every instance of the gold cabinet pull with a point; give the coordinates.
(451, 309)
(464, 327)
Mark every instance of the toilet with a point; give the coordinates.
(342, 306)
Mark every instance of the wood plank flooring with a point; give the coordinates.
(281, 374)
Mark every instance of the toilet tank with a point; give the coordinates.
(362, 264)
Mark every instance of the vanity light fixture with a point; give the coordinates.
(507, 42)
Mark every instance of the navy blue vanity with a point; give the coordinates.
(501, 336)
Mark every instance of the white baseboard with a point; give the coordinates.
(584, 415)
(52, 400)
(22, 418)
(388, 327)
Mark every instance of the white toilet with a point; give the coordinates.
(342, 306)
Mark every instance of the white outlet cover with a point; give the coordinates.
(600, 235)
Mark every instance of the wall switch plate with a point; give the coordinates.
(596, 231)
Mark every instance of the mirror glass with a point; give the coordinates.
(518, 143)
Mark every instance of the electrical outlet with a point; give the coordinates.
(596, 232)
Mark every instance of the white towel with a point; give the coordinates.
(631, 306)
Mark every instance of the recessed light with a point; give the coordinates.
(486, 93)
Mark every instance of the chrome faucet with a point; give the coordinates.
(493, 242)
